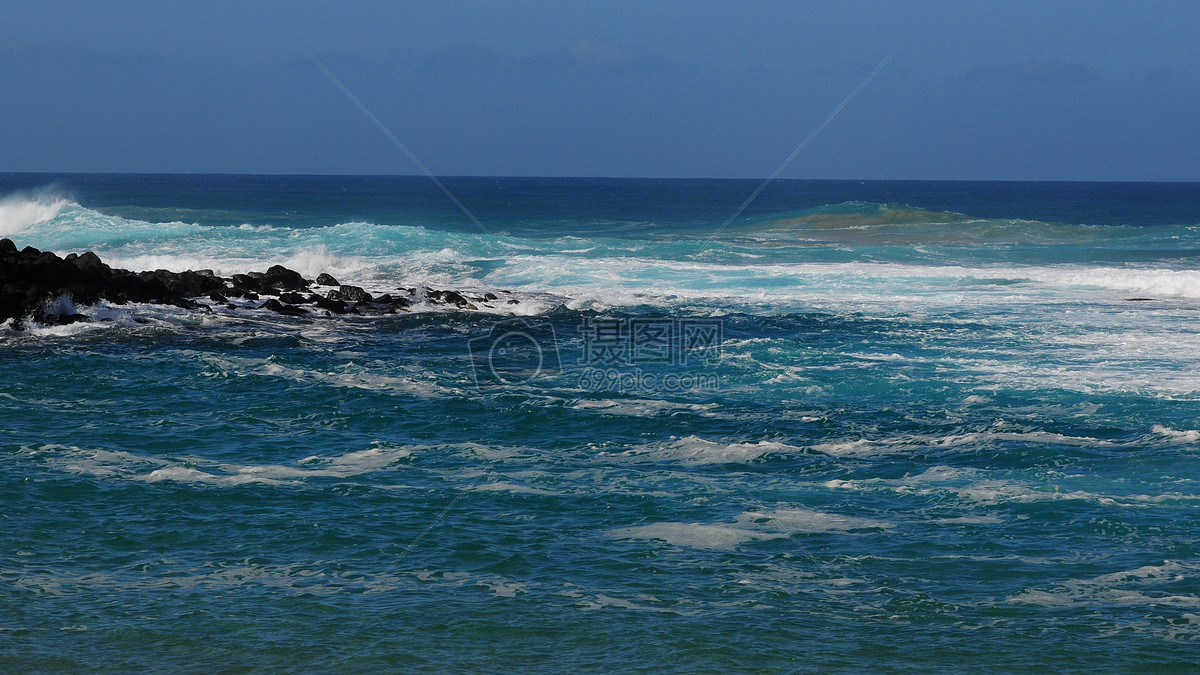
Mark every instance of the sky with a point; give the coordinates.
(974, 91)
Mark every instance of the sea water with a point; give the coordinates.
(862, 426)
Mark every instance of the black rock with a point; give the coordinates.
(63, 319)
(188, 284)
(327, 280)
(245, 282)
(449, 298)
(335, 306)
(277, 306)
(349, 293)
(30, 278)
(282, 278)
(89, 263)
(293, 298)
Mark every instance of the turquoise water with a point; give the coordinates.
(868, 425)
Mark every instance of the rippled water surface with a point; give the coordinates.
(881, 425)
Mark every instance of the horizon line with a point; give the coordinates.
(577, 177)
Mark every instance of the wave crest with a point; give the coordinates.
(19, 212)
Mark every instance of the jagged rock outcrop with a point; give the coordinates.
(41, 286)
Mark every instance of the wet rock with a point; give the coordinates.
(30, 279)
(335, 306)
(325, 279)
(293, 298)
(350, 294)
(281, 278)
(448, 298)
(44, 287)
(187, 284)
(277, 306)
(89, 263)
(63, 319)
(245, 282)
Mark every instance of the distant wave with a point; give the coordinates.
(866, 223)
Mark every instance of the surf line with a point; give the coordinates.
(396, 141)
(805, 142)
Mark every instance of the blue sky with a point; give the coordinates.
(976, 90)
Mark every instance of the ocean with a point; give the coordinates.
(863, 426)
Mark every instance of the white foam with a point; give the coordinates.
(514, 488)
(695, 535)
(622, 280)
(986, 489)
(348, 375)
(795, 520)
(187, 474)
(696, 450)
(20, 212)
(1138, 587)
(862, 447)
(643, 407)
(1179, 436)
(104, 463)
(600, 601)
(749, 526)
(61, 306)
(969, 520)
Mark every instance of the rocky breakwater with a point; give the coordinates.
(43, 287)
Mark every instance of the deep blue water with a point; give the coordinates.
(866, 426)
